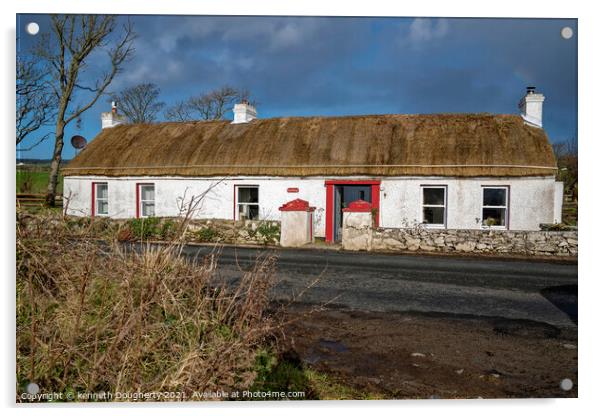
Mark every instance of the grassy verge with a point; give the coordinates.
(95, 318)
(286, 373)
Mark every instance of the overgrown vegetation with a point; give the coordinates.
(94, 316)
(269, 232)
(144, 228)
(287, 373)
(207, 234)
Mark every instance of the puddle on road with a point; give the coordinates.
(324, 349)
(335, 346)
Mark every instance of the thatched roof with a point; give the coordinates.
(382, 145)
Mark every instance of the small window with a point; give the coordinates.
(248, 202)
(495, 206)
(147, 200)
(101, 199)
(434, 206)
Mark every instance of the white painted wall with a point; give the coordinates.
(218, 202)
(558, 201)
(532, 200)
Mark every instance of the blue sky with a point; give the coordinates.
(300, 66)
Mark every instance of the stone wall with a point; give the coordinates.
(500, 242)
(231, 232)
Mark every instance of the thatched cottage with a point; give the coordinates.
(461, 171)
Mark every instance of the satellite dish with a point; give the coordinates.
(79, 142)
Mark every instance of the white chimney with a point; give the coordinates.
(244, 113)
(112, 119)
(531, 107)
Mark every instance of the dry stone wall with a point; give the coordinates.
(501, 242)
(229, 231)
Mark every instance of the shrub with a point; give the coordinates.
(96, 317)
(279, 374)
(125, 234)
(144, 228)
(207, 234)
(169, 229)
(269, 232)
(102, 226)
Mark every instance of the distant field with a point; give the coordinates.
(35, 180)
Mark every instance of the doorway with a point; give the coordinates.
(343, 196)
(339, 195)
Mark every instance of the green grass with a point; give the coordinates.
(284, 374)
(35, 181)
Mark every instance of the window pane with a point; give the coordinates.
(102, 207)
(248, 194)
(102, 191)
(147, 192)
(434, 196)
(434, 215)
(494, 217)
(253, 212)
(494, 197)
(248, 212)
(148, 209)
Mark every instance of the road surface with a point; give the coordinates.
(535, 291)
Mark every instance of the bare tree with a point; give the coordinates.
(567, 158)
(179, 112)
(66, 51)
(210, 106)
(35, 106)
(140, 103)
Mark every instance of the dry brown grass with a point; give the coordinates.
(93, 316)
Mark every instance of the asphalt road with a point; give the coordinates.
(535, 291)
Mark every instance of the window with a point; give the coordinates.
(146, 200)
(434, 206)
(101, 198)
(495, 206)
(248, 202)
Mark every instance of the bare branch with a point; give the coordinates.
(35, 104)
(179, 112)
(213, 105)
(117, 55)
(66, 51)
(140, 103)
(40, 140)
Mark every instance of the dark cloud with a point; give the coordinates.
(312, 65)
